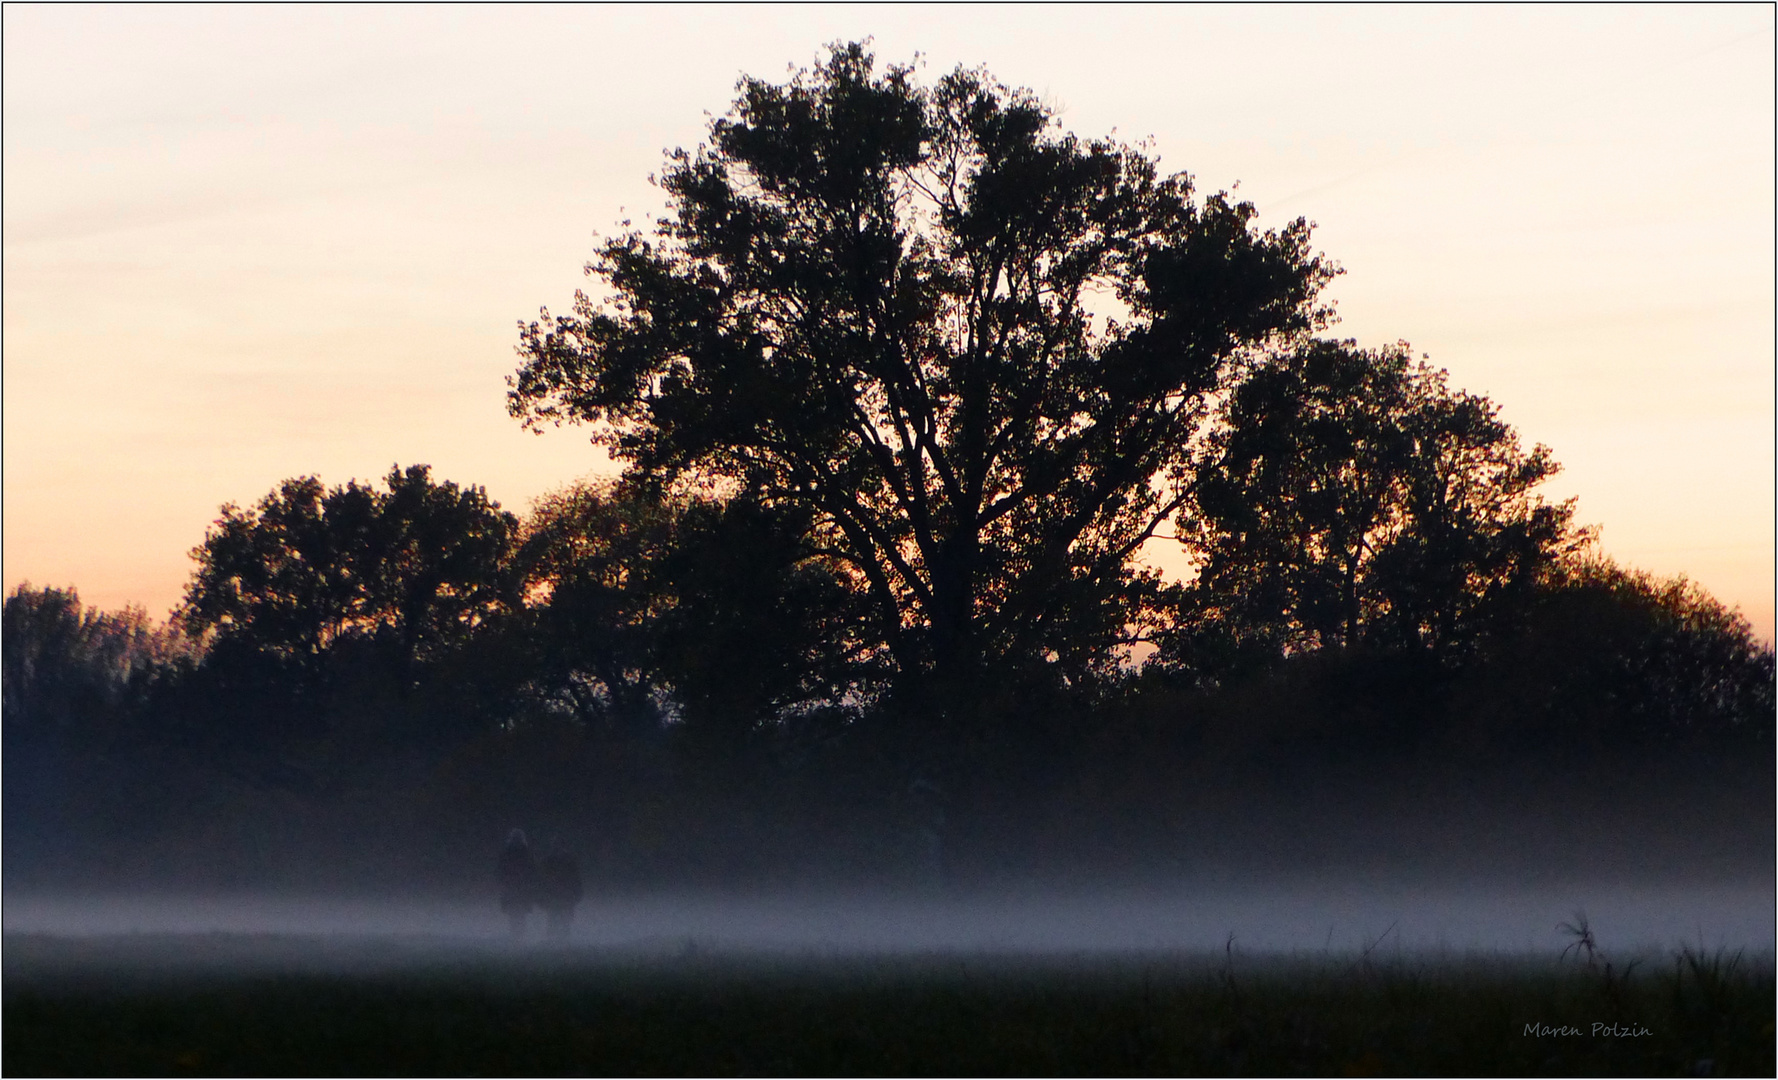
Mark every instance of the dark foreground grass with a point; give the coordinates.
(259, 1006)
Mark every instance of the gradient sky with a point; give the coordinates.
(249, 243)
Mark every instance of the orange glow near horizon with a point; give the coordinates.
(247, 243)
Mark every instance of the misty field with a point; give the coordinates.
(289, 1005)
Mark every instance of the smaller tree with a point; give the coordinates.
(716, 611)
(761, 625)
(329, 615)
(78, 746)
(414, 569)
(1351, 497)
(67, 666)
(587, 552)
(1607, 654)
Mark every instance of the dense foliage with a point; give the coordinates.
(1350, 498)
(67, 665)
(416, 567)
(714, 613)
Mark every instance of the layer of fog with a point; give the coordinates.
(1337, 917)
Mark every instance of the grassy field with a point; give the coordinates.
(246, 1005)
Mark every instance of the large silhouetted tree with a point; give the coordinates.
(1351, 497)
(973, 347)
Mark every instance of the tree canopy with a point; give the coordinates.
(1352, 497)
(415, 567)
(973, 348)
(716, 611)
(1613, 654)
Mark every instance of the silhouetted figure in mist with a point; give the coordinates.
(518, 873)
(558, 891)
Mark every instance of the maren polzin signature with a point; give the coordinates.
(1599, 1031)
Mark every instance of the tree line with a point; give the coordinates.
(904, 385)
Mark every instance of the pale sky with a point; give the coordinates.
(249, 243)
